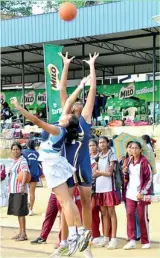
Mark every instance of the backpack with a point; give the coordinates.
(118, 175)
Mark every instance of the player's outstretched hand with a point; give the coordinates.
(66, 60)
(92, 59)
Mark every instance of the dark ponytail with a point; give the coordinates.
(147, 139)
(72, 130)
(31, 144)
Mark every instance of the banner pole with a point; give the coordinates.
(47, 107)
(23, 85)
(154, 70)
(83, 70)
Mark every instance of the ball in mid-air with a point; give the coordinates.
(67, 11)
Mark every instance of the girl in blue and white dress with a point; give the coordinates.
(56, 168)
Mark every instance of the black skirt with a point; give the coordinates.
(18, 204)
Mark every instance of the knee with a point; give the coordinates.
(112, 212)
(86, 201)
(104, 213)
(66, 203)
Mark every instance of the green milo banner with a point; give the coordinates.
(36, 99)
(140, 90)
(53, 70)
(121, 91)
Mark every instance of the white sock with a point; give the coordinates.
(132, 241)
(80, 230)
(64, 243)
(72, 231)
(106, 238)
(113, 239)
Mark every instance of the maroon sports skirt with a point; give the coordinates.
(107, 199)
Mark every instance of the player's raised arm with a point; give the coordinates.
(63, 83)
(54, 130)
(88, 108)
(72, 98)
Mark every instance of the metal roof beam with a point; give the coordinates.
(25, 62)
(119, 49)
(83, 42)
(151, 31)
(101, 54)
(110, 39)
(79, 69)
(31, 48)
(76, 61)
(79, 57)
(20, 50)
(14, 64)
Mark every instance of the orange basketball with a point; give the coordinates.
(67, 11)
(20, 177)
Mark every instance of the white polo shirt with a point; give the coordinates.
(133, 186)
(103, 183)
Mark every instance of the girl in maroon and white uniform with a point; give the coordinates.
(106, 195)
(94, 156)
(139, 185)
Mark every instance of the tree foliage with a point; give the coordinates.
(17, 8)
(24, 8)
(55, 4)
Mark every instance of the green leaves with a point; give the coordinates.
(15, 8)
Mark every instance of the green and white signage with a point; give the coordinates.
(53, 70)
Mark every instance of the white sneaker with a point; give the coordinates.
(61, 251)
(73, 244)
(112, 244)
(102, 242)
(87, 253)
(30, 213)
(96, 241)
(146, 246)
(84, 240)
(130, 245)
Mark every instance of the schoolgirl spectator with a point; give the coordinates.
(93, 150)
(111, 146)
(31, 156)
(18, 191)
(139, 185)
(106, 195)
(147, 140)
(125, 161)
(150, 143)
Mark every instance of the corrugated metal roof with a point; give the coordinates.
(102, 19)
